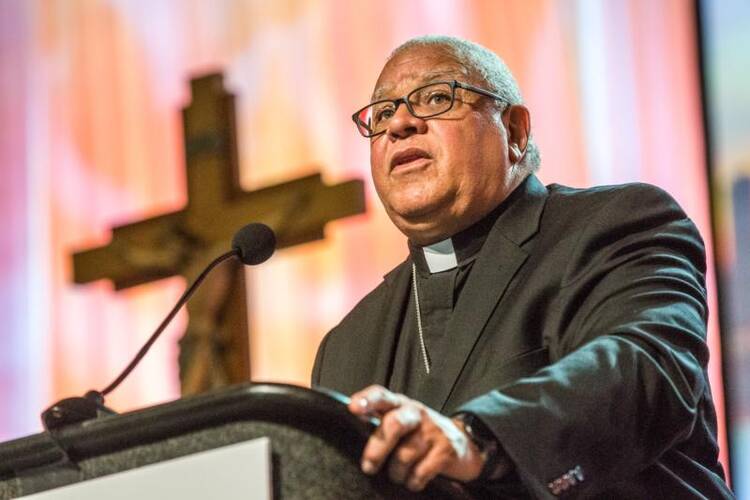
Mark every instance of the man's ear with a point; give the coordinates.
(519, 128)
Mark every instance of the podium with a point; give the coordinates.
(315, 444)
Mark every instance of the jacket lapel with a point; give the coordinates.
(377, 358)
(500, 259)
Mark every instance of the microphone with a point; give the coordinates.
(253, 244)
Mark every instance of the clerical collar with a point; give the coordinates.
(458, 250)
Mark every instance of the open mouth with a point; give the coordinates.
(408, 156)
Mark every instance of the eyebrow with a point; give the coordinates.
(424, 79)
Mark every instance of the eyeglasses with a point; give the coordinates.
(423, 102)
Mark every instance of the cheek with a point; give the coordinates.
(385, 190)
(490, 143)
(484, 172)
(377, 155)
(377, 163)
(478, 135)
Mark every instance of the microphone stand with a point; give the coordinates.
(79, 409)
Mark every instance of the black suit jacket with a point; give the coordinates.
(579, 340)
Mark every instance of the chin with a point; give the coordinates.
(413, 218)
(422, 233)
(412, 214)
(417, 209)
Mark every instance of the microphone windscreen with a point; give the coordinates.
(254, 243)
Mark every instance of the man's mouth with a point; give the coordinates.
(407, 156)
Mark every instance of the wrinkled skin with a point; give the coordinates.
(472, 150)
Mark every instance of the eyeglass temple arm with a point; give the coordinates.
(485, 93)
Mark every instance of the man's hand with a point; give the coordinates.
(420, 442)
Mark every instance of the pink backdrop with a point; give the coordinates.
(91, 93)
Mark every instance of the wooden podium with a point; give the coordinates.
(315, 444)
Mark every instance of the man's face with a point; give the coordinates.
(437, 176)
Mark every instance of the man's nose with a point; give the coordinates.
(403, 124)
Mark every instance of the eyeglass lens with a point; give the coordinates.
(425, 101)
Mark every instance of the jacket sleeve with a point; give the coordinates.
(628, 356)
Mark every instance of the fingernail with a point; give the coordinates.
(363, 403)
(368, 467)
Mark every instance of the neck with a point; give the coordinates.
(457, 249)
(460, 247)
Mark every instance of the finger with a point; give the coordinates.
(410, 450)
(437, 459)
(394, 425)
(374, 401)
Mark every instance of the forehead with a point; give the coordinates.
(417, 66)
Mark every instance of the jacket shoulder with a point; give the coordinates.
(585, 227)
(617, 194)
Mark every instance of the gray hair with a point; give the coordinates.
(485, 65)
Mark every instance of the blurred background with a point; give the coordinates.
(91, 93)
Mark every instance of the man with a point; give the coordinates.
(537, 341)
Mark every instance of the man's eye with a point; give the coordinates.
(382, 115)
(438, 98)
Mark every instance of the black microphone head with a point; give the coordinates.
(254, 243)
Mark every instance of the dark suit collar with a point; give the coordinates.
(499, 260)
(520, 220)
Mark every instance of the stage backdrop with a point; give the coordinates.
(91, 137)
(727, 77)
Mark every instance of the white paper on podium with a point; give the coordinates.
(239, 471)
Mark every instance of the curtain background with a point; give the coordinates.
(90, 94)
(727, 77)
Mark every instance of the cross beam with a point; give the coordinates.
(179, 243)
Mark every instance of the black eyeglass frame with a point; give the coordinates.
(405, 99)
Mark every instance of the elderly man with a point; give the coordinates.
(538, 341)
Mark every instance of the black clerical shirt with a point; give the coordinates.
(438, 291)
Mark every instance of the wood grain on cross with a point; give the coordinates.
(215, 349)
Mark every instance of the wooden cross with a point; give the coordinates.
(215, 349)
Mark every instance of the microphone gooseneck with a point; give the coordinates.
(252, 244)
(184, 298)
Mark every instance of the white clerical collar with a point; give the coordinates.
(440, 256)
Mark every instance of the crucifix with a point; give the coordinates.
(214, 351)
